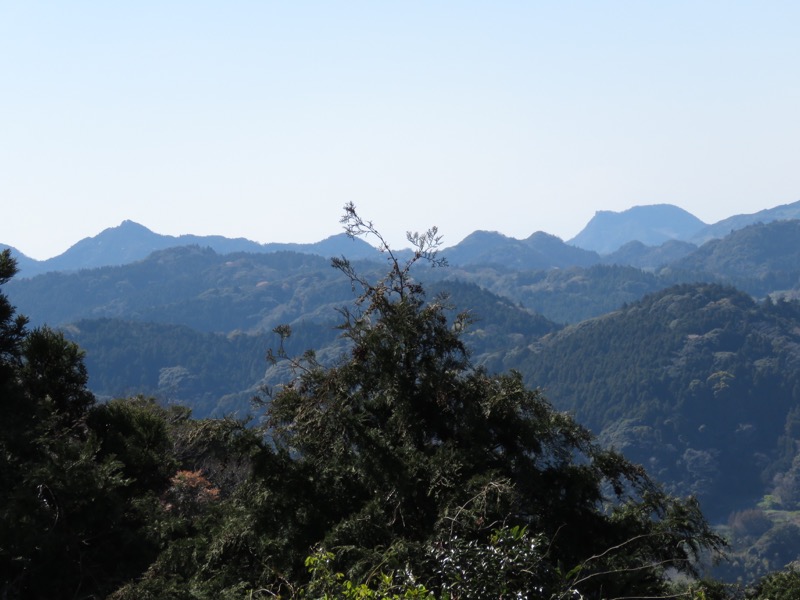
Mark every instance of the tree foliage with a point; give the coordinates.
(402, 470)
(413, 448)
(780, 585)
(62, 520)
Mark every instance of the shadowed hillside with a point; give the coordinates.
(696, 382)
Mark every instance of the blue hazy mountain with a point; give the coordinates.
(762, 259)
(539, 251)
(637, 254)
(642, 236)
(722, 228)
(130, 242)
(24, 263)
(608, 231)
(651, 225)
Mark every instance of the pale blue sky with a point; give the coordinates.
(261, 119)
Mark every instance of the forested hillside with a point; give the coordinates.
(251, 292)
(219, 373)
(700, 383)
(696, 381)
(693, 370)
(188, 286)
(565, 295)
(759, 259)
(400, 472)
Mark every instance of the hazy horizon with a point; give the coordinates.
(371, 240)
(261, 120)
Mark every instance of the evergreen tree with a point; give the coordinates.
(401, 471)
(63, 529)
(779, 585)
(411, 452)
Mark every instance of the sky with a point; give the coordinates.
(262, 119)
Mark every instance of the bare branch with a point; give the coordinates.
(425, 245)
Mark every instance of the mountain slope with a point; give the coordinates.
(565, 295)
(652, 225)
(607, 232)
(219, 373)
(188, 286)
(636, 254)
(759, 259)
(212, 292)
(560, 254)
(25, 264)
(130, 242)
(696, 382)
(722, 228)
(537, 252)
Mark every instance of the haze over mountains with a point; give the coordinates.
(651, 225)
(642, 236)
(683, 356)
(130, 241)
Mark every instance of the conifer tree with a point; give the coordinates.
(411, 452)
(62, 529)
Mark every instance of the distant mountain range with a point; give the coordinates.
(130, 242)
(656, 224)
(680, 348)
(642, 236)
(650, 225)
(722, 228)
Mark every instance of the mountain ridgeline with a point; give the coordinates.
(647, 227)
(217, 298)
(397, 470)
(650, 225)
(684, 357)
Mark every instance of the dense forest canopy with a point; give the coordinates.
(400, 458)
(398, 465)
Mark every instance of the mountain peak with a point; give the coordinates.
(651, 224)
(129, 223)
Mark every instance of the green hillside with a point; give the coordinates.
(696, 381)
(699, 383)
(759, 259)
(219, 373)
(399, 471)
